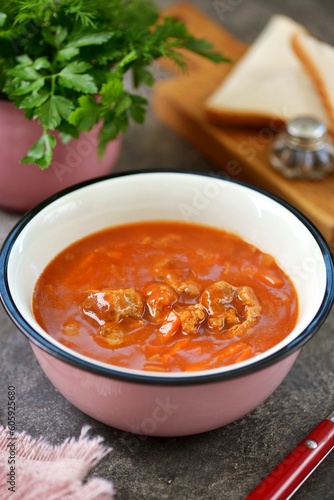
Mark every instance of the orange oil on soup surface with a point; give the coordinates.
(165, 296)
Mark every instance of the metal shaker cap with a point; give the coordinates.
(306, 132)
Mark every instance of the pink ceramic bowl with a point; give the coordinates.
(166, 404)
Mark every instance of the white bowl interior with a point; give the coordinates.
(170, 196)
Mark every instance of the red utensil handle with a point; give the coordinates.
(286, 478)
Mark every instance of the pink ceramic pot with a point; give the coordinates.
(22, 185)
(161, 403)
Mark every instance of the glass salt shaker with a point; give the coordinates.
(303, 150)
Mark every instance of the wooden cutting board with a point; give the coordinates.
(240, 153)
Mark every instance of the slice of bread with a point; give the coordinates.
(318, 60)
(269, 83)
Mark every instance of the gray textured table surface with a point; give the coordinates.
(229, 462)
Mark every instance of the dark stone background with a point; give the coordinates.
(226, 463)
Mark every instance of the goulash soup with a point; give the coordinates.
(165, 296)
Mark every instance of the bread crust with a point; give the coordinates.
(234, 118)
(313, 71)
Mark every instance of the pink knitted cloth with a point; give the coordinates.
(32, 468)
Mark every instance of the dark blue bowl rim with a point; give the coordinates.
(150, 378)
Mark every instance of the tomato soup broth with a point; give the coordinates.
(165, 296)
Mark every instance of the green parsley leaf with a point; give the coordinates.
(142, 75)
(67, 53)
(41, 63)
(76, 67)
(112, 90)
(138, 109)
(65, 106)
(24, 72)
(24, 59)
(34, 100)
(41, 152)
(91, 39)
(123, 104)
(71, 77)
(3, 18)
(108, 132)
(51, 112)
(55, 35)
(27, 88)
(86, 115)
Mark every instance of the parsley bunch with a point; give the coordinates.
(64, 61)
